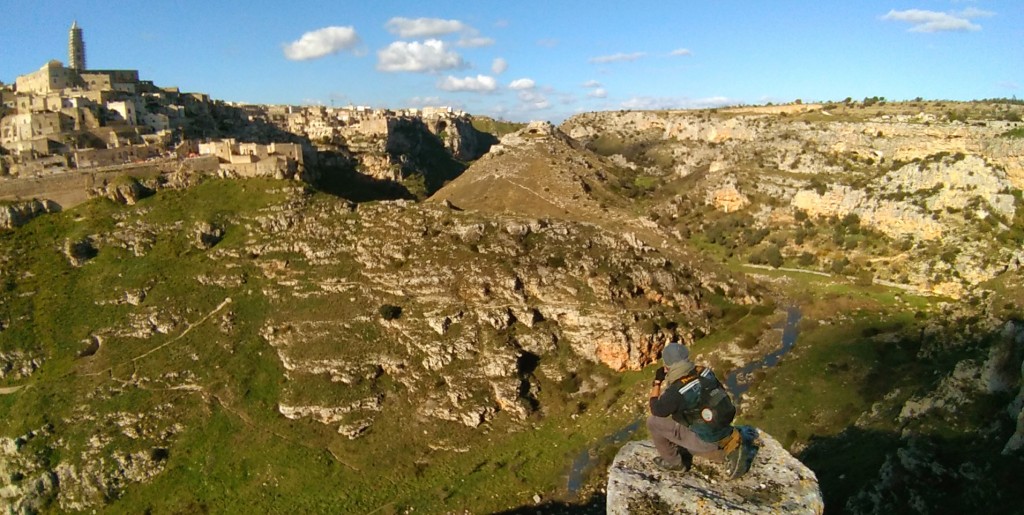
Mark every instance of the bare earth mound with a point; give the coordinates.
(537, 172)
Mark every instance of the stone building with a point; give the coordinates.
(281, 160)
(76, 48)
(52, 77)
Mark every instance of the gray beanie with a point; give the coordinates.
(674, 353)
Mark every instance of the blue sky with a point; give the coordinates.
(527, 59)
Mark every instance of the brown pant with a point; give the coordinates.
(668, 436)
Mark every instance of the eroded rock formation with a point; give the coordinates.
(776, 483)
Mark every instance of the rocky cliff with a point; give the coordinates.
(912, 182)
(396, 148)
(16, 214)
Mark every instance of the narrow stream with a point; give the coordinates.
(737, 382)
(582, 464)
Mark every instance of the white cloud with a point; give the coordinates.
(475, 42)
(522, 84)
(598, 93)
(499, 65)
(322, 42)
(642, 103)
(533, 100)
(478, 84)
(429, 56)
(590, 84)
(617, 58)
(409, 28)
(933, 21)
(681, 51)
(423, 27)
(973, 12)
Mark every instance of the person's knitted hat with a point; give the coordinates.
(677, 359)
(673, 353)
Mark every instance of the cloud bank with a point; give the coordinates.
(648, 103)
(522, 84)
(429, 56)
(322, 42)
(617, 58)
(499, 65)
(478, 84)
(423, 27)
(934, 21)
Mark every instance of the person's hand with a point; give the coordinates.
(659, 376)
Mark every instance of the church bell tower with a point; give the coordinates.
(76, 48)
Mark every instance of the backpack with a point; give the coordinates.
(713, 407)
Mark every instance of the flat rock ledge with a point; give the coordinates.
(776, 483)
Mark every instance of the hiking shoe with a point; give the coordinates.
(681, 467)
(738, 461)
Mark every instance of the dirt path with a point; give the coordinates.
(7, 390)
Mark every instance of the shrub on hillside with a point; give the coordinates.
(839, 265)
(390, 312)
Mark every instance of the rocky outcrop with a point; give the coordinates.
(458, 135)
(206, 235)
(487, 293)
(18, 364)
(125, 190)
(16, 214)
(1012, 332)
(25, 483)
(776, 483)
(394, 148)
(727, 198)
(918, 199)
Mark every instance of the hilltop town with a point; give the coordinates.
(66, 119)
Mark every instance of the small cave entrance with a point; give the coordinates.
(526, 364)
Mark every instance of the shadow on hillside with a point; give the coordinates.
(352, 185)
(594, 505)
(863, 471)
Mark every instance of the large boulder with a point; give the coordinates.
(776, 483)
(16, 214)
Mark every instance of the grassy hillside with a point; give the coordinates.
(159, 387)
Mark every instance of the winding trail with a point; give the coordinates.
(7, 390)
(132, 361)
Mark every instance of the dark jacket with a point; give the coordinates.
(698, 401)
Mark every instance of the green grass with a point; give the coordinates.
(1014, 133)
(498, 128)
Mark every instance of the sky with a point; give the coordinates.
(526, 60)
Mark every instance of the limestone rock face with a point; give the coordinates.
(126, 192)
(206, 235)
(459, 136)
(727, 198)
(776, 483)
(19, 213)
